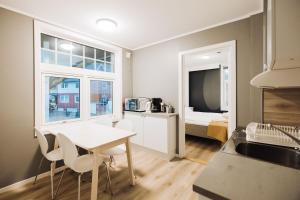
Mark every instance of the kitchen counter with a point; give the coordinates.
(158, 114)
(233, 176)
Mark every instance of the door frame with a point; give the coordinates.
(183, 90)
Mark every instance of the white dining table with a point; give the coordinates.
(95, 138)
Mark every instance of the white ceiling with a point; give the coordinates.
(140, 22)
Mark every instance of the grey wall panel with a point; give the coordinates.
(18, 149)
(155, 68)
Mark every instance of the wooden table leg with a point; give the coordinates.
(129, 160)
(94, 191)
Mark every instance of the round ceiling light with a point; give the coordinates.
(106, 24)
(205, 57)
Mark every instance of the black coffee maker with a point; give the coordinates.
(156, 104)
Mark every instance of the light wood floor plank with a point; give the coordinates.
(156, 179)
(200, 149)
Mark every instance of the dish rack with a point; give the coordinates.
(264, 133)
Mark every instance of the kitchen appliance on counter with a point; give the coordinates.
(156, 105)
(136, 104)
(169, 109)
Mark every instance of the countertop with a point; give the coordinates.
(232, 176)
(157, 114)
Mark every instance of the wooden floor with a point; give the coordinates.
(156, 179)
(200, 149)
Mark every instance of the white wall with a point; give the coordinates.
(127, 74)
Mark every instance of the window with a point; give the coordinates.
(224, 88)
(76, 99)
(77, 77)
(57, 101)
(71, 54)
(101, 97)
(64, 85)
(64, 98)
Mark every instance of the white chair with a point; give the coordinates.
(52, 156)
(118, 150)
(72, 160)
(124, 124)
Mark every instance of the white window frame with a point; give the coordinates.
(223, 107)
(75, 99)
(42, 69)
(64, 85)
(43, 98)
(89, 96)
(64, 99)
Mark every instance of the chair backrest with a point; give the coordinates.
(69, 150)
(42, 141)
(125, 124)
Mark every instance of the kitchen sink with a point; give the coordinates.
(275, 154)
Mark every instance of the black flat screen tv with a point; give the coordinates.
(204, 90)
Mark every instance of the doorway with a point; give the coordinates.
(211, 72)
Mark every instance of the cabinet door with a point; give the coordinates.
(137, 121)
(155, 133)
(283, 33)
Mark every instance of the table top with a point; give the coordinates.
(88, 135)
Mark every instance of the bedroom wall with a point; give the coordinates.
(204, 90)
(155, 68)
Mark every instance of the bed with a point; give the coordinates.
(199, 123)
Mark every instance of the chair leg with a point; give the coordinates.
(39, 169)
(52, 166)
(111, 160)
(58, 186)
(108, 182)
(79, 181)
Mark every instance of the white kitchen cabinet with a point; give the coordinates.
(283, 49)
(155, 131)
(137, 121)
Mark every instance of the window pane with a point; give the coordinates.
(64, 45)
(77, 61)
(77, 49)
(89, 64)
(47, 42)
(60, 96)
(89, 52)
(63, 59)
(101, 97)
(226, 83)
(226, 73)
(67, 53)
(100, 66)
(99, 54)
(109, 57)
(47, 57)
(109, 67)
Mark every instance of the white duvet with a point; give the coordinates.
(203, 118)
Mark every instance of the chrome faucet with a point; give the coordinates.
(286, 133)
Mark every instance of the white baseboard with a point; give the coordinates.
(29, 180)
